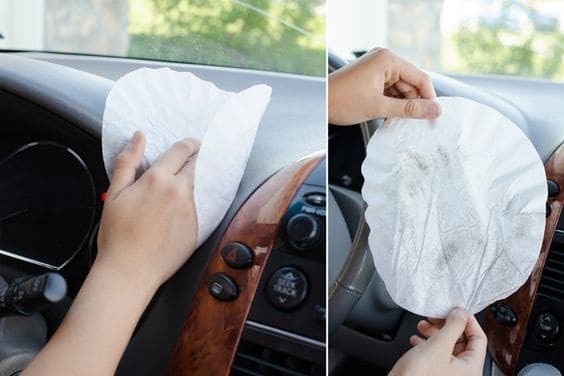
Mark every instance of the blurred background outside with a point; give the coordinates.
(508, 37)
(274, 35)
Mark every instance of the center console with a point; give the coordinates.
(260, 307)
(285, 329)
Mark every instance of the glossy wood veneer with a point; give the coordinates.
(211, 333)
(505, 342)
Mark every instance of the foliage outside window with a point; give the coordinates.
(284, 36)
(520, 41)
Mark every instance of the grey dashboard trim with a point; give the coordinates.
(541, 103)
(76, 96)
(107, 66)
(284, 333)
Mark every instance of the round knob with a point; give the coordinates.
(539, 369)
(546, 328)
(304, 231)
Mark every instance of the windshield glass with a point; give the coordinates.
(509, 37)
(273, 35)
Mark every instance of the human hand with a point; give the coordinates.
(455, 346)
(380, 85)
(149, 226)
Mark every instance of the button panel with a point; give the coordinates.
(546, 328)
(504, 314)
(304, 231)
(287, 288)
(316, 199)
(223, 287)
(237, 255)
(297, 303)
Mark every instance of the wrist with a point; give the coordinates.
(333, 100)
(136, 284)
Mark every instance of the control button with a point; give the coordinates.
(548, 210)
(539, 369)
(237, 255)
(304, 231)
(504, 314)
(315, 199)
(287, 288)
(546, 328)
(222, 287)
(319, 314)
(553, 188)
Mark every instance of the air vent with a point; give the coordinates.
(552, 282)
(255, 360)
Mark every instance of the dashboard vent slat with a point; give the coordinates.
(552, 281)
(253, 360)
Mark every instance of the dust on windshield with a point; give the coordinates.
(272, 35)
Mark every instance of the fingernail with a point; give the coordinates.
(433, 110)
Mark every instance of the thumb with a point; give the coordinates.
(452, 329)
(126, 164)
(410, 108)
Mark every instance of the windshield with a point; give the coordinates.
(509, 37)
(272, 35)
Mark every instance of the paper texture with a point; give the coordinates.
(169, 106)
(456, 208)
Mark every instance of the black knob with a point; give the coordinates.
(504, 314)
(31, 294)
(546, 328)
(223, 287)
(304, 231)
(553, 188)
(287, 288)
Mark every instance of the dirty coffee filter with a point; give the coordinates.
(456, 208)
(168, 106)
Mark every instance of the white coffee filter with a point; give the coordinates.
(456, 208)
(168, 106)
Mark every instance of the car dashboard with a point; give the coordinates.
(54, 183)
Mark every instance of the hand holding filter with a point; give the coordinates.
(168, 106)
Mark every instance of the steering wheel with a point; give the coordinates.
(351, 268)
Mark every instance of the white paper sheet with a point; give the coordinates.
(169, 106)
(456, 208)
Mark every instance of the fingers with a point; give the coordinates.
(407, 91)
(476, 340)
(176, 157)
(126, 165)
(453, 328)
(416, 78)
(427, 329)
(410, 108)
(416, 340)
(186, 173)
(436, 322)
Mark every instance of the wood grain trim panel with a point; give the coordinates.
(211, 333)
(505, 342)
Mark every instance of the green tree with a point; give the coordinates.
(234, 33)
(497, 49)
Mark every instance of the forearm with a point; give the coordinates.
(97, 328)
